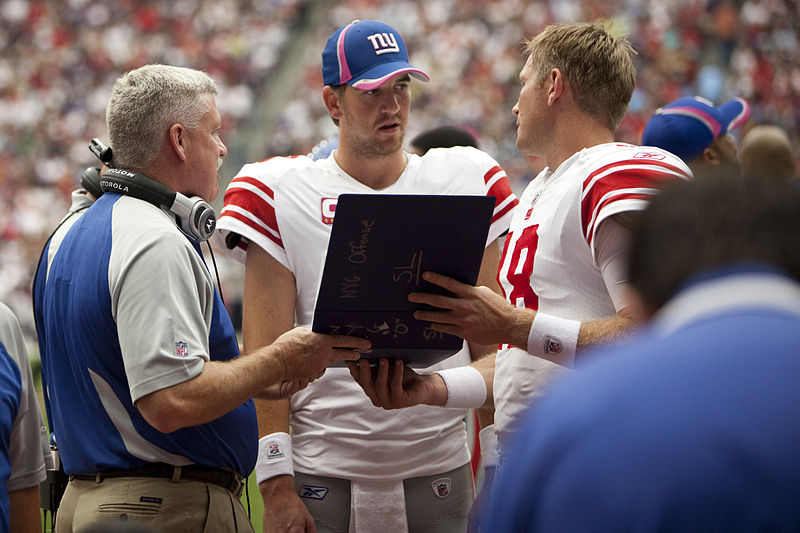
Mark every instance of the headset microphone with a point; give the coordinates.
(90, 178)
(194, 215)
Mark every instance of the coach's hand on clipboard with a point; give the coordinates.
(304, 356)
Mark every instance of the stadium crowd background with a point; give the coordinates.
(60, 59)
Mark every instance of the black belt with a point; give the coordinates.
(227, 479)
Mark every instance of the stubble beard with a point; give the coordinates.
(372, 148)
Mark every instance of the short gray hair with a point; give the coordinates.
(145, 102)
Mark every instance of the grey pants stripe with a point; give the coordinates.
(426, 510)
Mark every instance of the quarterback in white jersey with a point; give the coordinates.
(286, 205)
(349, 465)
(551, 262)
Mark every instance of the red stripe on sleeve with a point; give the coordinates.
(252, 224)
(589, 232)
(250, 181)
(642, 162)
(491, 172)
(500, 214)
(647, 174)
(501, 190)
(259, 208)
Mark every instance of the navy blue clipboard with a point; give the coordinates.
(379, 247)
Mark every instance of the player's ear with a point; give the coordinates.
(709, 155)
(332, 101)
(555, 86)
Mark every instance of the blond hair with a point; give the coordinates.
(597, 65)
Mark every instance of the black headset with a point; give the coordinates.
(90, 180)
(194, 215)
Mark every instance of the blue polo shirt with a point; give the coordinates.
(693, 426)
(129, 308)
(10, 391)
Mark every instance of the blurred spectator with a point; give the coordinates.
(22, 463)
(324, 148)
(698, 132)
(59, 62)
(766, 149)
(442, 137)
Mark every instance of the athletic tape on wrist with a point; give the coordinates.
(488, 439)
(274, 456)
(466, 388)
(551, 335)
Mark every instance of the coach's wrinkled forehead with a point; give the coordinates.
(366, 54)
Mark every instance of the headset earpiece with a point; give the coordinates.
(194, 215)
(90, 180)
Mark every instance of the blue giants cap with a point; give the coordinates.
(689, 125)
(366, 54)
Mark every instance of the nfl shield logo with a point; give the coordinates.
(551, 345)
(181, 349)
(274, 450)
(441, 487)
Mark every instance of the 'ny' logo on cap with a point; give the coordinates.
(384, 43)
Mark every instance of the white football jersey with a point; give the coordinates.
(286, 206)
(549, 262)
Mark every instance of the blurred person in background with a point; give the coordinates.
(766, 151)
(698, 132)
(442, 137)
(22, 463)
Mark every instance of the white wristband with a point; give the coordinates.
(466, 388)
(488, 439)
(551, 335)
(274, 456)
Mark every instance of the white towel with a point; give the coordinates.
(378, 507)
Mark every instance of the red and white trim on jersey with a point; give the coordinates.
(623, 181)
(252, 202)
(497, 185)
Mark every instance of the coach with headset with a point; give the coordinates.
(151, 403)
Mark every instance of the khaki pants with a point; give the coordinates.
(149, 505)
